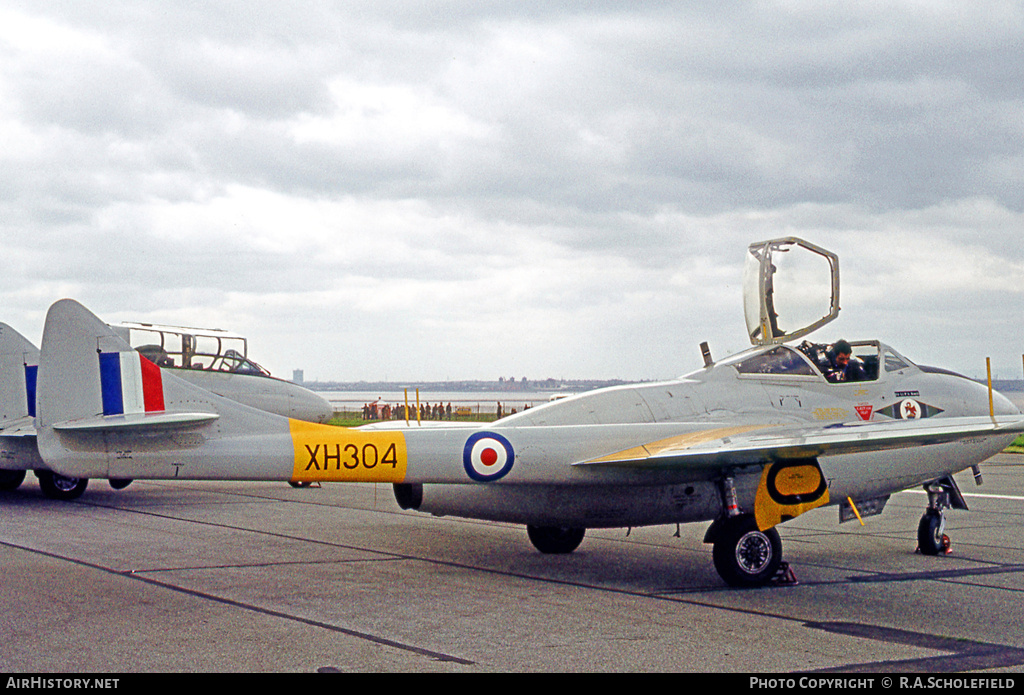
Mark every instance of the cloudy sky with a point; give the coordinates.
(467, 190)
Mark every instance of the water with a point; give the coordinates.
(1016, 397)
(478, 402)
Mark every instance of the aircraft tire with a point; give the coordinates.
(61, 487)
(120, 483)
(930, 539)
(300, 483)
(555, 540)
(745, 556)
(10, 480)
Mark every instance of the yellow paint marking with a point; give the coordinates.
(788, 490)
(798, 480)
(680, 442)
(326, 453)
(854, 508)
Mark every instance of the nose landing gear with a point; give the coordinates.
(943, 494)
(930, 538)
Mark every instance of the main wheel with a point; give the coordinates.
(61, 487)
(557, 540)
(120, 483)
(10, 480)
(744, 555)
(930, 538)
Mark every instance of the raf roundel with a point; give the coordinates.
(487, 456)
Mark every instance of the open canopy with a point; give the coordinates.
(790, 288)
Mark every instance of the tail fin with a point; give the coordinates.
(19, 364)
(103, 410)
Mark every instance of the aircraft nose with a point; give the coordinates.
(974, 396)
(1002, 403)
(327, 413)
(312, 408)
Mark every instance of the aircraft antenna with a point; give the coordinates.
(705, 351)
(991, 404)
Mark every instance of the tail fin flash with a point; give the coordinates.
(130, 383)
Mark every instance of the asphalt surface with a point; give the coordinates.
(244, 577)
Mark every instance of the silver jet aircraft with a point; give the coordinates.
(746, 443)
(217, 362)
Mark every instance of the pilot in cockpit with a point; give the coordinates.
(842, 366)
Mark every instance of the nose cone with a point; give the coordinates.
(1003, 405)
(312, 408)
(959, 395)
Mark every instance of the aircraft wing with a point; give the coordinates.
(752, 444)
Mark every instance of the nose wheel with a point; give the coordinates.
(943, 494)
(930, 537)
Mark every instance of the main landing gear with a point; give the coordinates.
(555, 540)
(930, 537)
(744, 555)
(54, 485)
(10, 480)
(61, 487)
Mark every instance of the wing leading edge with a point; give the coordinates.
(765, 443)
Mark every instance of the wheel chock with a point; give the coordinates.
(785, 576)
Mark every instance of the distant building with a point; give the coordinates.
(298, 376)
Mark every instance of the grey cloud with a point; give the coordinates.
(453, 173)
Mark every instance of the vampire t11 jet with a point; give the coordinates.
(216, 361)
(746, 443)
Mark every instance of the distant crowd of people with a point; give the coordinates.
(437, 411)
(386, 411)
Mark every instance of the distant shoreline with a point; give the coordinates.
(510, 386)
(545, 385)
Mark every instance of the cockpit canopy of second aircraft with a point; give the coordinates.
(177, 347)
